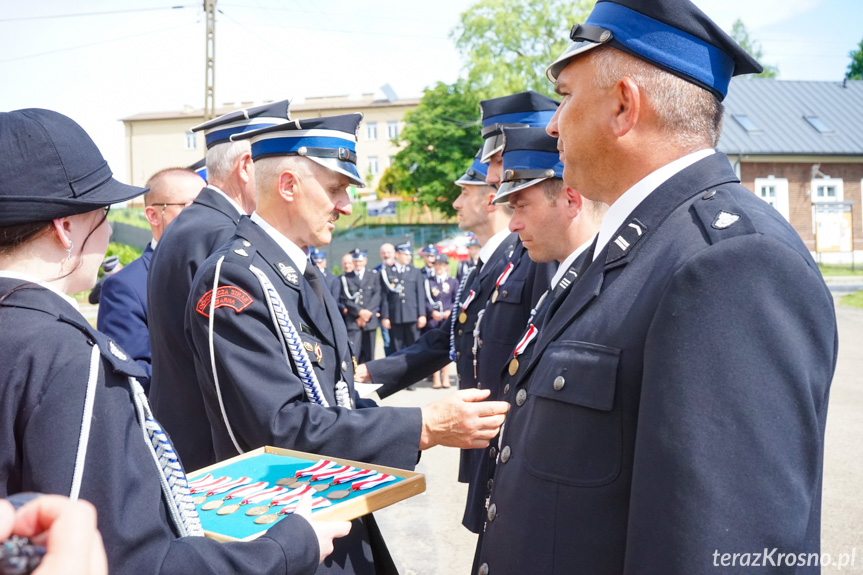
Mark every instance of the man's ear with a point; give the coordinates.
(489, 205)
(627, 99)
(153, 216)
(247, 167)
(574, 201)
(288, 183)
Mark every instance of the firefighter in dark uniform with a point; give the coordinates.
(440, 290)
(74, 420)
(402, 299)
(675, 403)
(359, 298)
(270, 346)
(196, 233)
(467, 265)
(429, 253)
(334, 284)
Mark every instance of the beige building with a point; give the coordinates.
(157, 140)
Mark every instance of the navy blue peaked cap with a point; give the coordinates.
(330, 141)
(220, 130)
(475, 174)
(200, 168)
(671, 34)
(525, 109)
(404, 248)
(530, 156)
(358, 254)
(50, 168)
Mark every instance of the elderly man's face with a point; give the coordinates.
(347, 264)
(321, 197)
(360, 264)
(471, 206)
(581, 126)
(534, 219)
(388, 254)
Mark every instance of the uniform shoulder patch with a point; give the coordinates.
(226, 296)
(725, 220)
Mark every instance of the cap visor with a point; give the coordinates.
(576, 48)
(466, 180)
(491, 146)
(342, 167)
(508, 188)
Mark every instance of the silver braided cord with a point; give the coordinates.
(454, 315)
(352, 297)
(175, 486)
(397, 289)
(292, 341)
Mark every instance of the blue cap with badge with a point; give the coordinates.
(530, 156)
(523, 110)
(404, 248)
(317, 255)
(220, 130)
(430, 250)
(358, 254)
(673, 35)
(50, 168)
(475, 174)
(330, 141)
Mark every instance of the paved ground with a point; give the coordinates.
(425, 533)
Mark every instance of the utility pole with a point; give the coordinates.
(210, 69)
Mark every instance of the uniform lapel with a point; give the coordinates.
(213, 199)
(626, 242)
(288, 271)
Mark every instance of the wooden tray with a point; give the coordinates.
(272, 463)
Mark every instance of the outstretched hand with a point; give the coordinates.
(462, 420)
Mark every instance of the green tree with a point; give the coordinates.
(740, 35)
(508, 44)
(441, 137)
(855, 67)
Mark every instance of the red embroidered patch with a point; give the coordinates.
(226, 296)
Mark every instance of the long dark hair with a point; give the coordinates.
(14, 236)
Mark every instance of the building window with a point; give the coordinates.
(392, 130)
(746, 123)
(774, 191)
(827, 190)
(372, 131)
(191, 141)
(373, 165)
(818, 124)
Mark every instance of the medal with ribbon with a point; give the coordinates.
(502, 280)
(321, 465)
(373, 481)
(243, 494)
(222, 488)
(352, 475)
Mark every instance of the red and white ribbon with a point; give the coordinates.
(247, 490)
(349, 476)
(333, 471)
(372, 482)
(321, 465)
(467, 300)
(228, 486)
(317, 503)
(201, 481)
(265, 494)
(528, 337)
(505, 275)
(292, 495)
(206, 486)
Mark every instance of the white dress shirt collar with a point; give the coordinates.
(240, 211)
(28, 278)
(486, 251)
(298, 256)
(568, 262)
(626, 204)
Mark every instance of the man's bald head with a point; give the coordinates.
(171, 190)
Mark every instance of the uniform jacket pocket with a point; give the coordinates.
(574, 431)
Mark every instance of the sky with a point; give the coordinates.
(99, 61)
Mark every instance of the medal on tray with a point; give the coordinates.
(284, 499)
(375, 480)
(218, 486)
(251, 498)
(241, 490)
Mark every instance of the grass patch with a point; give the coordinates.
(853, 299)
(131, 216)
(841, 269)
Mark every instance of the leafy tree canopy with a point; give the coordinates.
(855, 67)
(441, 137)
(741, 35)
(508, 44)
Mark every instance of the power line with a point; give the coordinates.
(70, 48)
(79, 14)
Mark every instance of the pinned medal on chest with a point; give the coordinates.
(238, 499)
